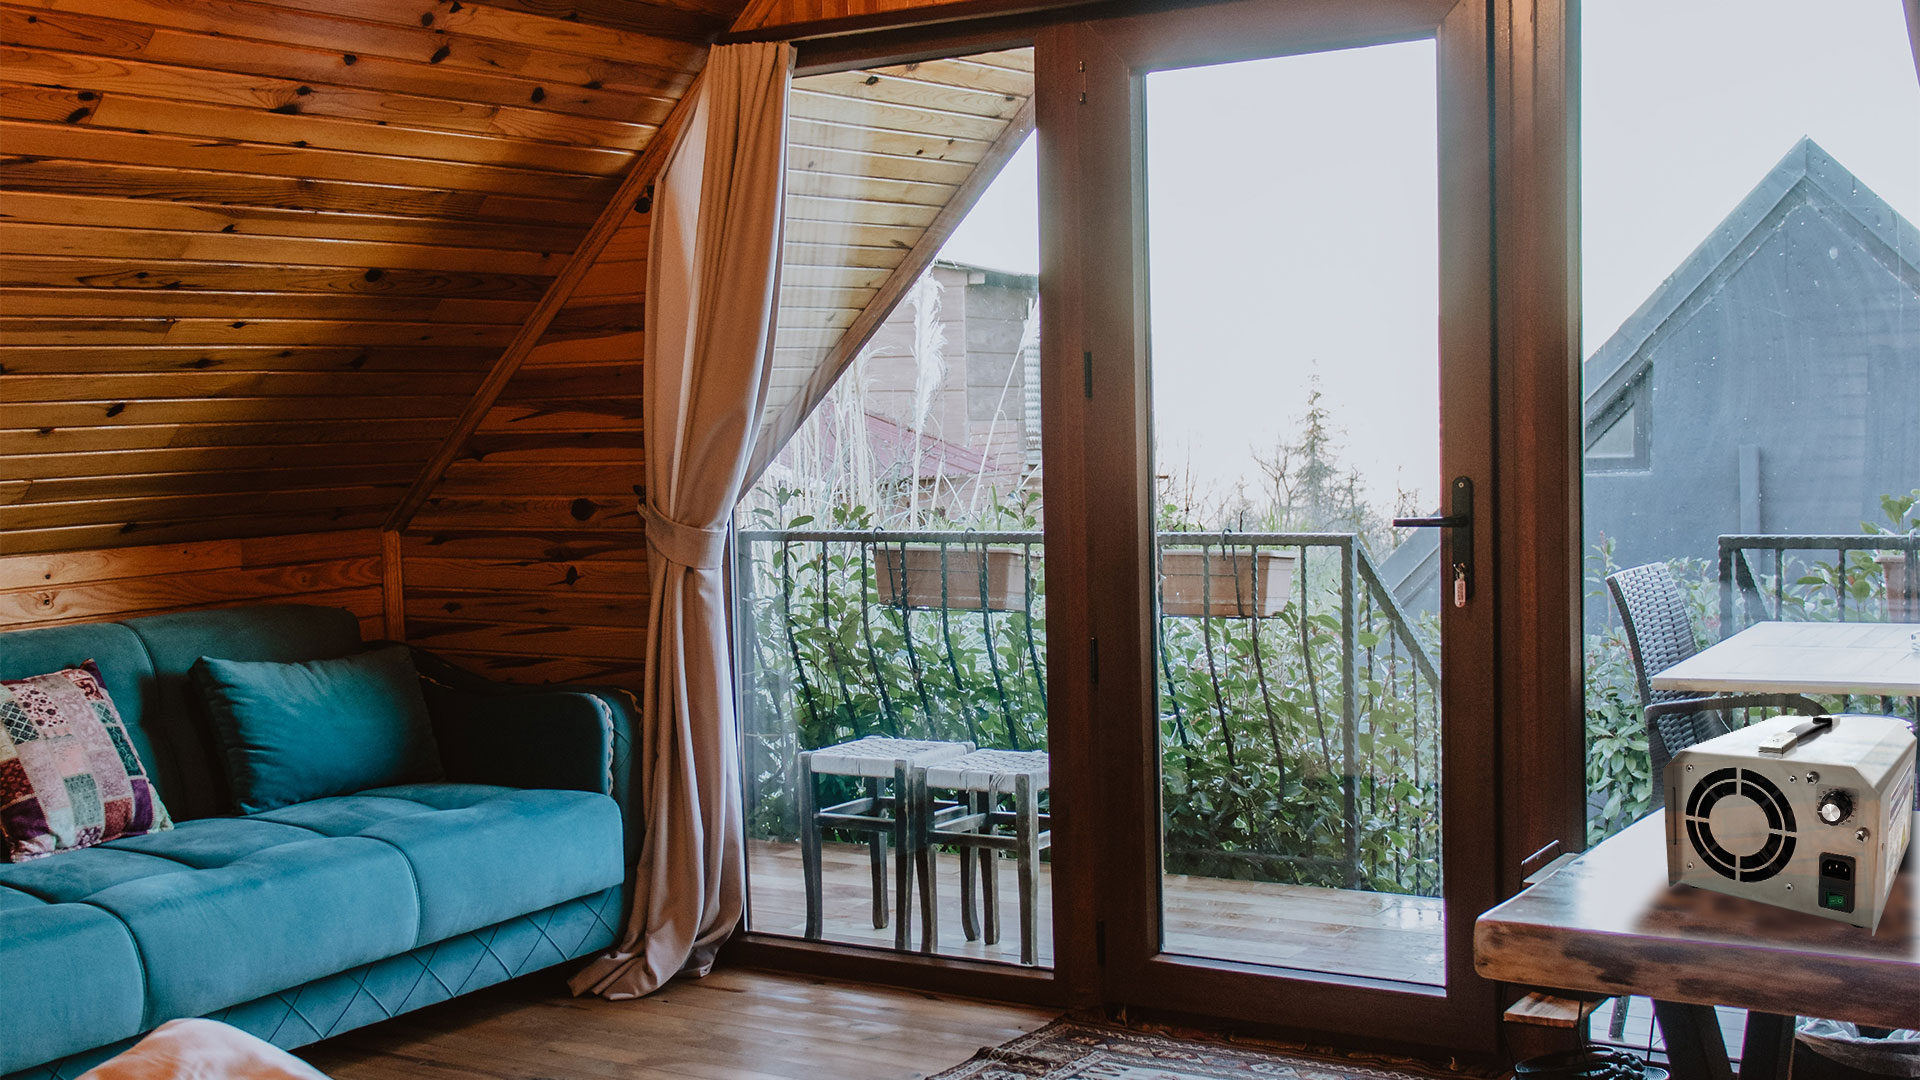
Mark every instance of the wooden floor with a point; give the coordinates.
(1354, 933)
(731, 1025)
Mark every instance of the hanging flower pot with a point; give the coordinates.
(1235, 583)
(912, 575)
(1903, 596)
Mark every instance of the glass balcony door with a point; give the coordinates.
(1277, 260)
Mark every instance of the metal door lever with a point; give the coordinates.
(1461, 522)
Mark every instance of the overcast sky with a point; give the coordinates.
(1292, 219)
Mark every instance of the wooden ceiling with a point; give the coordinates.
(883, 165)
(256, 256)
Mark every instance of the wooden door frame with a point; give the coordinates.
(1534, 563)
(1095, 351)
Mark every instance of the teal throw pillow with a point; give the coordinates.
(293, 732)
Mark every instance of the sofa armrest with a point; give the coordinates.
(578, 738)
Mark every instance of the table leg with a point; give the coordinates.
(1026, 827)
(809, 844)
(969, 923)
(1767, 1051)
(924, 858)
(1694, 1046)
(989, 879)
(877, 857)
(903, 825)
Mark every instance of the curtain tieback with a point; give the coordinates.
(688, 545)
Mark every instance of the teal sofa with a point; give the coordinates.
(315, 918)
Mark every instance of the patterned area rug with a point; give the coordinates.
(1076, 1050)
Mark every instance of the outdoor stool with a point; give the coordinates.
(983, 778)
(880, 813)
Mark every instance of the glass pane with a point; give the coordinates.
(1295, 383)
(1752, 309)
(891, 578)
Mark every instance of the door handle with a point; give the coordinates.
(1459, 518)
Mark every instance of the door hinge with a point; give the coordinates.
(1100, 942)
(1083, 82)
(1093, 659)
(1086, 374)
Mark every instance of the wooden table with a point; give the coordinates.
(1804, 658)
(1607, 923)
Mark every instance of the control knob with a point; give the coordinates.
(1835, 807)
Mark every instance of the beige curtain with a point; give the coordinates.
(713, 270)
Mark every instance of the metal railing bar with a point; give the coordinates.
(953, 662)
(993, 654)
(869, 574)
(827, 643)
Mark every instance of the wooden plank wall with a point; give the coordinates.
(764, 14)
(256, 255)
(342, 569)
(528, 562)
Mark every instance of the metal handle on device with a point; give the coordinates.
(1460, 520)
(1783, 742)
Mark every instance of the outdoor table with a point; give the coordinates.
(1804, 658)
(1607, 923)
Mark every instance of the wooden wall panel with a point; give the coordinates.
(342, 569)
(257, 255)
(528, 561)
(773, 14)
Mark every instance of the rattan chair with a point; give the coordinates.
(1660, 634)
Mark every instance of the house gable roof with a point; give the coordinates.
(1807, 175)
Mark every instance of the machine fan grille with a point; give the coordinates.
(1773, 856)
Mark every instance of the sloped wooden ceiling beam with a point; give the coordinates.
(1913, 32)
(775, 434)
(558, 293)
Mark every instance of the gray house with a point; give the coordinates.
(1770, 385)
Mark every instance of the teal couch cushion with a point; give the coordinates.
(270, 919)
(223, 910)
(297, 731)
(71, 976)
(275, 632)
(480, 853)
(515, 852)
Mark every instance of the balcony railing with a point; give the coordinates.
(1869, 577)
(1299, 705)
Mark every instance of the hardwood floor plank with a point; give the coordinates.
(731, 1025)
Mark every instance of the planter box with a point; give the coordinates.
(1899, 607)
(915, 580)
(1233, 585)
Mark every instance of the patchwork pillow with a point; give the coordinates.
(69, 776)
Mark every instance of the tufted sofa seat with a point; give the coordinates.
(320, 916)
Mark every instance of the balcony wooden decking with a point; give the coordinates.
(1353, 933)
